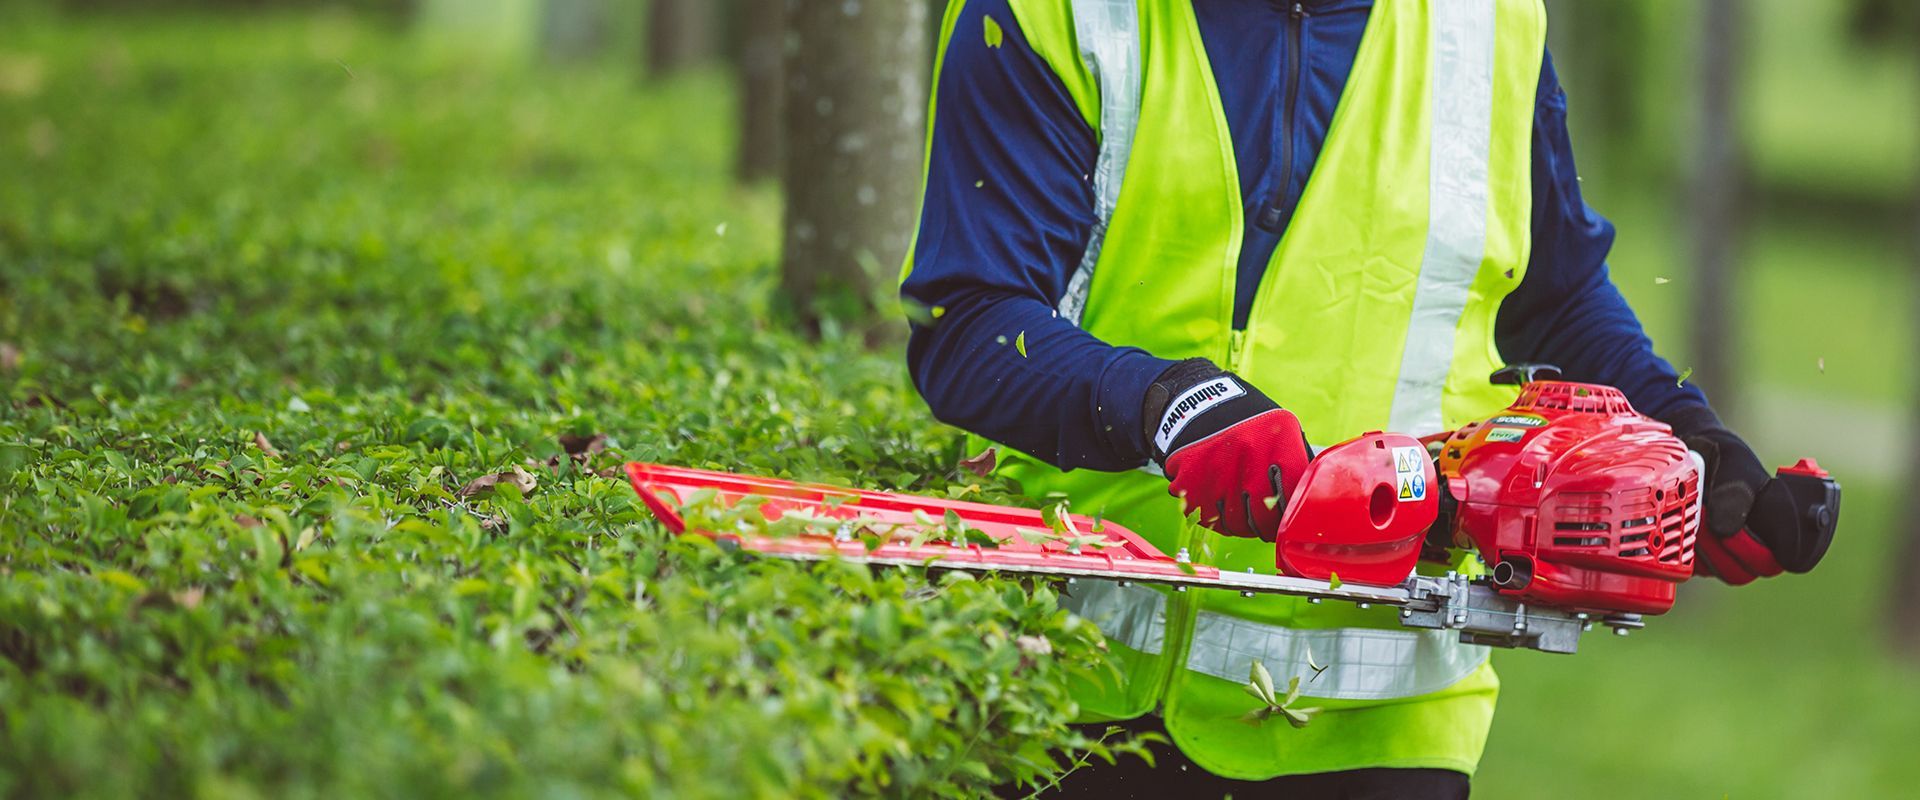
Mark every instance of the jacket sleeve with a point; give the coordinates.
(1006, 215)
(1567, 311)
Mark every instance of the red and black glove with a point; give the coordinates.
(1228, 451)
(1756, 525)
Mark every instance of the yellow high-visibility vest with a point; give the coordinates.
(1376, 313)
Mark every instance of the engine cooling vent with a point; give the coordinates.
(1580, 397)
(1664, 526)
(1580, 520)
(1680, 521)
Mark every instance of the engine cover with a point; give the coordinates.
(1575, 499)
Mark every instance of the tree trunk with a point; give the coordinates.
(1717, 208)
(856, 122)
(572, 30)
(1905, 604)
(679, 35)
(763, 42)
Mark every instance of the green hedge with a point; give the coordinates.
(274, 294)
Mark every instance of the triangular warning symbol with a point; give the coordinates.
(1406, 489)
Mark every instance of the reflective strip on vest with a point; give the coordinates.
(1131, 615)
(1108, 33)
(1461, 100)
(1360, 663)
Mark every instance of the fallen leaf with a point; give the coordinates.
(343, 446)
(981, 464)
(9, 357)
(582, 446)
(247, 521)
(518, 478)
(260, 441)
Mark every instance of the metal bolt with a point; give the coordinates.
(1246, 593)
(1619, 631)
(1123, 584)
(1582, 616)
(1405, 613)
(1519, 625)
(1313, 601)
(1179, 588)
(1364, 606)
(1459, 619)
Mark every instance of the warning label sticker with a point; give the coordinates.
(1506, 435)
(1410, 474)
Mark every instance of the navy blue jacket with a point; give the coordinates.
(1009, 206)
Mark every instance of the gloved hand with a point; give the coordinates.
(1227, 450)
(1753, 529)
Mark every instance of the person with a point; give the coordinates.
(1167, 246)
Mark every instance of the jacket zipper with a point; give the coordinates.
(1270, 216)
(1181, 607)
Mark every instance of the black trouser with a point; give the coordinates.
(1175, 775)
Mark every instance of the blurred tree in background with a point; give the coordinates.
(1896, 23)
(1718, 197)
(680, 34)
(762, 49)
(574, 30)
(856, 115)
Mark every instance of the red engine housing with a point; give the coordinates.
(1575, 499)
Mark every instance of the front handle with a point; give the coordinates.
(1816, 503)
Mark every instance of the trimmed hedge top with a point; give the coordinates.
(273, 295)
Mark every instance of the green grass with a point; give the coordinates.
(405, 270)
(274, 292)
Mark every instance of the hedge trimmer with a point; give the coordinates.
(1584, 512)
